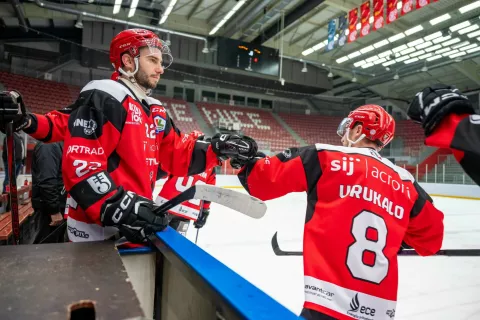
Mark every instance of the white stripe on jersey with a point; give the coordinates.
(113, 88)
(369, 152)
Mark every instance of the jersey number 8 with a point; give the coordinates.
(365, 258)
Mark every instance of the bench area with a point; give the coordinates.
(25, 211)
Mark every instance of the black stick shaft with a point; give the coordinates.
(13, 183)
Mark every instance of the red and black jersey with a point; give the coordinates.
(461, 134)
(113, 138)
(176, 185)
(360, 207)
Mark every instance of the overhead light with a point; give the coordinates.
(440, 19)
(456, 55)
(409, 50)
(379, 61)
(449, 42)
(318, 46)
(169, 10)
(387, 68)
(473, 27)
(435, 47)
(396, 76)
(473, 45)
(459, 26)
(307, 52)
(400, 48)
(304, 69)
(413, 30)
(133, 7)
(400, 59)
(442, 51)
(366, 49)
(450, 53)
(385, 54)
(330, 74)
(79, 23)
(417, 53)
(396, 37)
(354, 54)
(463, 44)
(433, 36)
(371, 59)
(424, 45)
(434, 57)
(410, 60)
(227, 16)
(205, 48)
(359, 63)
(441, 39)
(415, 42)
(469, 7)
(389, 63)
(117, 6)
(342, 59)
(380, 44)
(474, 34)
(425, 56)
(424, 68)
(367, 65)
(354, 79)
(473, 50)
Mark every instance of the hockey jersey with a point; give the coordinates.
(461, 134)
(360, 207)
(175, 185)
(115, 137)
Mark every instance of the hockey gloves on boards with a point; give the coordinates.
(434, 103)
(232, 146)
(133, 215)
(200, 222)
(13, 109)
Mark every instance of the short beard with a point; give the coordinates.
(143, 80)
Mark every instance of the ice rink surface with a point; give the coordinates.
(429, 287)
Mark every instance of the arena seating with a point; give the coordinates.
(256, 123)
(40, 95)
(412, 135)
(314, 128)
(179, 111)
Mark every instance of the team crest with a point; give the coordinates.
(159, 124)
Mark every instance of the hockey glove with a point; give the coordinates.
(434, 103)
(13, 109)
(238, 163)
(133, 215)
(233, 146)
(200, 222)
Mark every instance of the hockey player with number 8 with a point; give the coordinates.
(361, 209)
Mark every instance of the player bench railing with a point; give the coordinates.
(191, 284)
(25, 211)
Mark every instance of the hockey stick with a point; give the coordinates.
(13, 183)
(200, 214)
(407, 252)
(241, 202)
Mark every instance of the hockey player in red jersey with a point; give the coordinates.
(115, 138)
(450, 121)
(360, 208)
(190, 210)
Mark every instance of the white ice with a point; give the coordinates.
(429, 287)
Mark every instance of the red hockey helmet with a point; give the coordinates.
(377, 124)
(130, 41)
